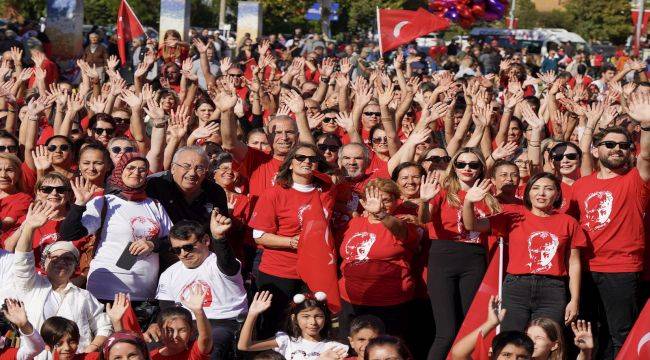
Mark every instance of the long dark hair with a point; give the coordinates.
(284, 177)
(310, 302)
(543, 175)
(394, 341)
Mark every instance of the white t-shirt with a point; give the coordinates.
(126, 221)
(226, 295)
(6, 266)
(303, 349)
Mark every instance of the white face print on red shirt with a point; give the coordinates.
(358, 246)
(144, 228)
(542, 246)
(205, 287)
(598, 208)
(301, 212)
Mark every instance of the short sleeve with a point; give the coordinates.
(578, 237)
(283, 342)
(264, 215)
(196, 354)
(162, 292)
(17, 207)
(91, 218)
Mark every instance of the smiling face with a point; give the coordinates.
(408, 181)
(102, 132)
(167, 102)
(119, 148)
(225, 176)
(436, 159)
(59, 266)
(61, 151)
(284, 135)
(125, 351)
(189, 171)
(92, 166)
(566, 160)
(380, 142)
(66, 348)
(135, 174)
(371, 116)
(514, 132)
(467, 168)
(303, 168)
(194, 258)
(54, 192)
(506, 179)
(311, 321)
(615, 158)
(8, 176)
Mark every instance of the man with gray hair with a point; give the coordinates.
(186, 193)
(354, 159)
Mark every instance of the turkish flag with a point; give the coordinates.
(637, 344)
(130, 321)
(128, 28)
(397, 27)
(317, 257)
(477, 314)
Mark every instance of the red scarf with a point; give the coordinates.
(117, 187)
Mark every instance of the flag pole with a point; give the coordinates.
(381, 49)
(498, 329)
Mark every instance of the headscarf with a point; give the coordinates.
(127, 337)
(117, 187)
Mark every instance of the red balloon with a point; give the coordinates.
(466, 23)
(437, 7)
(465, 13)
(478, 10)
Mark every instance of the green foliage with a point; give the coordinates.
(600, 19)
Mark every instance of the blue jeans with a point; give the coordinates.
(528, 297)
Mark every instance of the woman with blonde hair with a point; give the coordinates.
(457, 257)
(13, 202)
(172, 49)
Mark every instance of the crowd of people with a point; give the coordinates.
(161, 218)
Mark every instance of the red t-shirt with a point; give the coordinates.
(260, 168)
(82, 356)
(15, 206)
(279, 211)
(193, 353)
(378, 167)
(347, 203)
(27, 178)
(568, 205)
(51, 75)
(538, 245)
(447, 221)
(376, 266)
(611, 212)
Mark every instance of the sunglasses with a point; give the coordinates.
(379, 140)
(624, 145)
(119, 149)
(75, 131)
(368, 113)
(559, 157)
(10, 148)
(50, 189)
(436, 159)
(329, 120)
(187, 248)
(62, 147)
(100, 131)
(324, 147)
(119, 120)
(474, 165)
(301, 158)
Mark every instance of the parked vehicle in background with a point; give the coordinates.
(536, 40)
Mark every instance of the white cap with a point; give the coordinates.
(61, 245)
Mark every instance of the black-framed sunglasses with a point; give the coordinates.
(10, 148)
(325, 147)
(100, 131)
(302, 158)
(119, 120)
(438, 159)
(49, 189)
(623, 145)
(119, 149)
(370, 113)
(474, 165)
(188, 248)
(329, 120)
(62, 147)
(379, 140)
(559, 157)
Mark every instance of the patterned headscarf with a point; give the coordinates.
(117, 187)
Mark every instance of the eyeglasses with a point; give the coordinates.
(10, 148)
(368, 113)
(187, 248)
(200, 169)
(474, 165)
(329, 120)
(325, 147)
(302, 158)
(559, 157)
(49, 189)
(62, 147)
(438, 159)
(108, 131)
(379, 140)
(623, 145)
(119, 149)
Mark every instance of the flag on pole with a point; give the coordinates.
(317, 257)
(128, 28)
(397, 27)
(637, 343)
(477, 314)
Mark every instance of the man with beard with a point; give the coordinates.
(611, 206)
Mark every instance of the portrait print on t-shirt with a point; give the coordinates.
(542, 247)
(358, 246)
(598, 209)
(205, 287)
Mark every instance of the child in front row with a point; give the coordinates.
(363, 329)
(307, 329)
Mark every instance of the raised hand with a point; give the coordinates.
(327, 67)
(15, 312)
(141, 70)
(385, 94)
(38, 58)
(219, 224)
(225, 64)
(530, 117)
(205, 131)
(16, 55)
(42, 158)
(283, 110)
(194, 301)
(511, 100)
(38, 214)
(315, 120)
(439, 110)
(261, 302)
(178, 125)
(495, 316)
(506, 149)
(372, 203)
(97, 104)
(117, 85)
(112, 62)
(334, 353)
(40, 73)
(479, 191)
(25, 74)
(419, 136)
(200, 46)
(345, 65)
(83, 190)
(121, 303)
(294, 101)
(154, 110)
(593, 113)
(639, 108)
(131, 99)
(429, 186)
(584, 339)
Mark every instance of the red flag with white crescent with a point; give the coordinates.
(128, 28)
(397, 27)
(637, 343)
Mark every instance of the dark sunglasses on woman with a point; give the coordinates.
(559, 157)
(49, 189)
(437, 159)
(53, 148)
(474, 165)
(325, 147)
(301, 158)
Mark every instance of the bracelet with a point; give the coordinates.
(645, 128)
(381, 215)
(325, 79)
(493, 159)
(534, 144)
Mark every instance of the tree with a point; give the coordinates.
(600, 19)
(527, 14)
